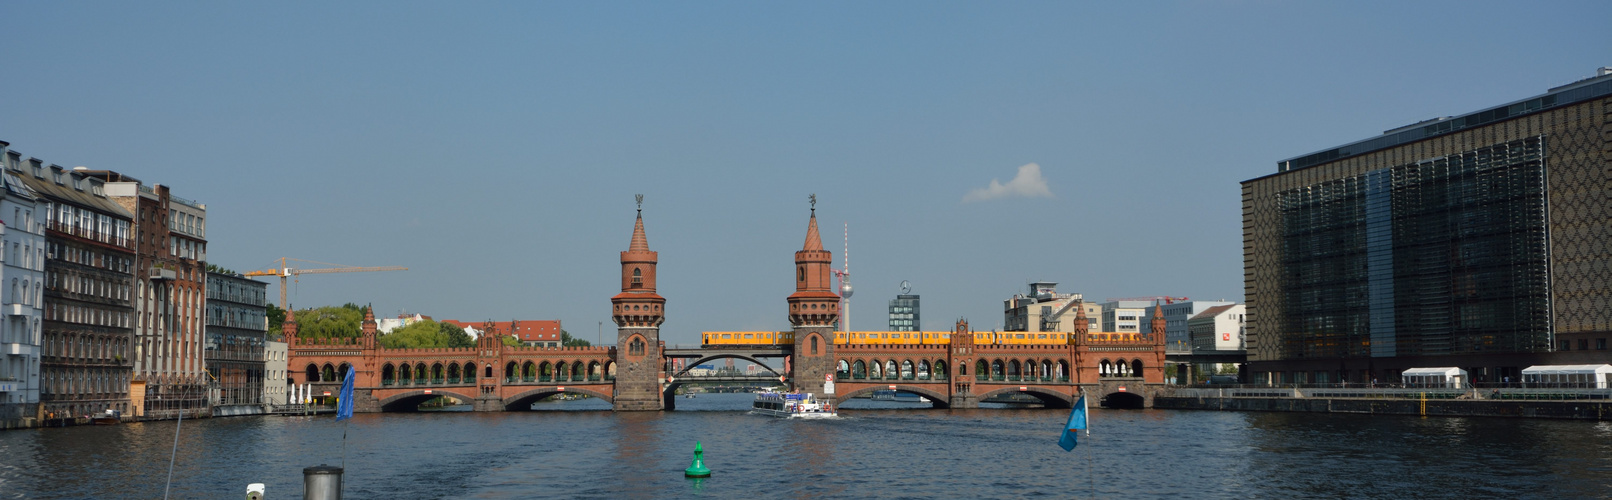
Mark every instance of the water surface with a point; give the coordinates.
(893, 452)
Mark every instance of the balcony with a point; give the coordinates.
(17, 309)
(159, 273)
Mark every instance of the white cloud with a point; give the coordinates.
(1028, 184)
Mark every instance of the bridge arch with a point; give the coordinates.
(1051, 398)
(714, 357)
(936, 399)
(410, 401)
(524, 400)
(1124, 400)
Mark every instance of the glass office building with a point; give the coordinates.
(904, 314)
(1478, 241)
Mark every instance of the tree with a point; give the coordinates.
(416, 335)
(215, 269)
(456, 336)
(276, 319)
(568, 341)
(330, 321)
(509, 340)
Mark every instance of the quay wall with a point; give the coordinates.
(1569, 409)
(19, 415)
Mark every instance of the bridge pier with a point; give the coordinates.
(364, 401)
(964, 401)
(488, 402)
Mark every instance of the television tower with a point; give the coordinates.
(845, 284)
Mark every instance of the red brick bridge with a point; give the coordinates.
(1121, 369)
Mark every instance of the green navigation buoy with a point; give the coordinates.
(697, 469)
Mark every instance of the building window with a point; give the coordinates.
(1600, 344)
(1583, 344)
(800, 273)
(637, 278)
(1566, 346)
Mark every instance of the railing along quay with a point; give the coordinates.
(1395, 392)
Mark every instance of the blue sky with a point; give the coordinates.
(494, 148)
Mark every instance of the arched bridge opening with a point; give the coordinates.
(1124, 401)
(524, 400)
(411, 401)
(1047, 398)
(854, 400)
(721, 355)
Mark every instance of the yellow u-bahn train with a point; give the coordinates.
(737, 339)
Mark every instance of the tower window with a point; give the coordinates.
(637, 278)
(814, 345)
(800, 273)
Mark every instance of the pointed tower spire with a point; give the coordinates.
(1081, 322)
(639, 242)
(813, 241)
(288, 328)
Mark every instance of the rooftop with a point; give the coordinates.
(1593, 87)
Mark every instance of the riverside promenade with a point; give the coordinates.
(1557, 403)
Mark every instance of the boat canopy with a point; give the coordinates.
(1435, 377)
(1595, 376)
(1566, 369)
(1446, 372)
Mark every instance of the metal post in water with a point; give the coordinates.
(321, 483)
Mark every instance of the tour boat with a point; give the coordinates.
(789, 405)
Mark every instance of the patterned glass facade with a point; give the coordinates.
(1484, 247)
(1438, 257)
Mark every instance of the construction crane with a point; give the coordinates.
(1167, 300)
(286, 270)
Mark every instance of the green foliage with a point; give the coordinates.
(457, 336)
(509, 340)
(215, 269)
(426, 334)
(568, 341)
(276, 319)
(330, 321)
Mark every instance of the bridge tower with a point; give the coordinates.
(289, 327)
(368, 374)
(962, 362)
(489, 351)
(638, 314)
(812, 310)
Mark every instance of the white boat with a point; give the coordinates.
(788, 405)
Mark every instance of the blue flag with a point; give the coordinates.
(344, 402)
(1077, 420)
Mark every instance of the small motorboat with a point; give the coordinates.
(111, 417)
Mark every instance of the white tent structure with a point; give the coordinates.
(1450, 377)
(1585, 376)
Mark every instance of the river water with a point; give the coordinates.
(887, 452)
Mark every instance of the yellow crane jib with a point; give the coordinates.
(285, 270)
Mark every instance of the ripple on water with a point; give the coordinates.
(897, 453)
